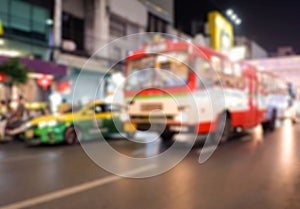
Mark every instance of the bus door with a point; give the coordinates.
(253, 100)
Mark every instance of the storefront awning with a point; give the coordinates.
(39, 66)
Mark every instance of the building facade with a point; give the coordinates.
(69, 32)
(27, 33)
(88, 25)
(253, 49)
(27, 28)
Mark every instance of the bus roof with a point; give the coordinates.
(171, 45)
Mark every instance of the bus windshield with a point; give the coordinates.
(158, 71)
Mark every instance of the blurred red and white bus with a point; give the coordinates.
(278, 97)
(238, 83)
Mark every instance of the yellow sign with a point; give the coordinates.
(129, 127)
(221, 32)
(1, 28)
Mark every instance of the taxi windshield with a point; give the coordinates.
(158, 70)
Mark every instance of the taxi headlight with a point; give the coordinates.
(28, 125)
(124, 117)
(48, 123)
(52, 123)
(42, 124)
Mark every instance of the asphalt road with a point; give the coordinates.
(251, 171)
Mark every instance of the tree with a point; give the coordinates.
(16, 71)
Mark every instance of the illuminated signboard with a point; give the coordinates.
(221, 32)
(1, 28)
(155, 48)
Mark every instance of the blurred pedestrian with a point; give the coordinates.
(64, 107)
(9, 107)
(18, 114)
(15, 120)
(4, 115)
(3, 109)
(46, 110)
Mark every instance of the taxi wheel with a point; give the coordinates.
(70, 136)
(167, 135)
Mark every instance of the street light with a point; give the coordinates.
(233, 17)
(238, 21)
(229, 12)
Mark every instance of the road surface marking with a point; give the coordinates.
(73, 190)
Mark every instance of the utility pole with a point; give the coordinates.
(57, 33)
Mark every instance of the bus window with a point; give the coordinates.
(237, 72)
(176, 64)
(282, 87)
(228, 80)
(267, 85)
(240, 82)
(168, 70)
(227, 67)
(261, 83)
(139, 64)
(203, 72)
(216, 63)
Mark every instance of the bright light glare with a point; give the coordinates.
(1, 42)
(261, 68)
(234, 17)
(229, 12)
(49, 22)
(9, 53)
(288, 137)
(238, 21)
(238, 53)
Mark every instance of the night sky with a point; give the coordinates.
(269, 23)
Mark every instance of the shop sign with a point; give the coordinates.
(44, 82)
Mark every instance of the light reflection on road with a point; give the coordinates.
(288, 144)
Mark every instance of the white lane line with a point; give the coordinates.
(73, 190)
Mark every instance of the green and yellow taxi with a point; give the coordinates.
(97, 119)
